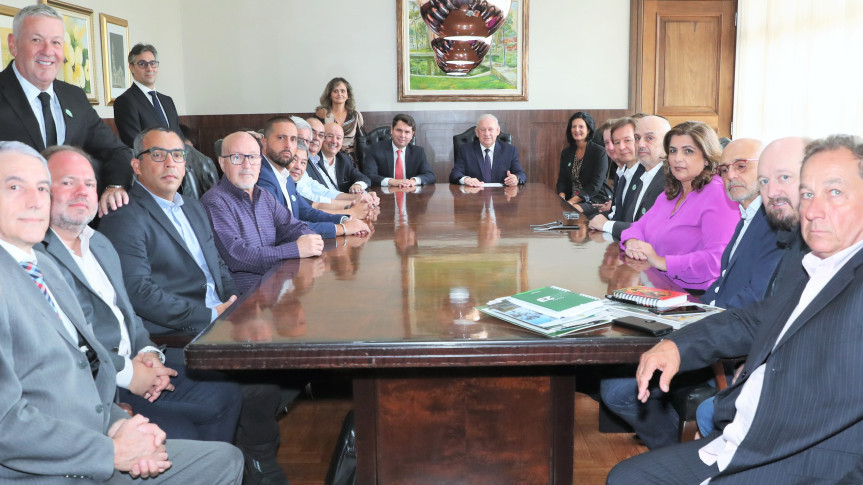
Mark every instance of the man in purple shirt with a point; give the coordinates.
(253, 232)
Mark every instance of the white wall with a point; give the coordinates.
(156, 22)
(284, 52)
(265, 56)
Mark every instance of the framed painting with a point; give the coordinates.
(80, 46)
(6, 16)
(115, 45)
(462, 50)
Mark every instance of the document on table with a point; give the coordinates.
(491, 184)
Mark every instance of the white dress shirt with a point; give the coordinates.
(282, 178)
(747, 214)
(721, 450)
(146, 92)
(31, 92)
(386, 181)
(629, 174)
(482, 150)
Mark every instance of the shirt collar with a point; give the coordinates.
(238, 193)
(164, 204)
(19, 254)
(395, 148)
(30, 89)
(813, 264)
(145, 89)
(279, 171)
(749, 212)
(492, 147)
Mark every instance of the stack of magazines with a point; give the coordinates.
(550, 311)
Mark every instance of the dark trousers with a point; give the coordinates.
(678, 464)
(202, 406)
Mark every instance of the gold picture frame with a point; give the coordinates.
(501, 76)
(80, 46)
(6, 16)
(115, 46)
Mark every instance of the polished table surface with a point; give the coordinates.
(442, 393)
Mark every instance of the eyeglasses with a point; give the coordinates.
(740, 165)
(318, 134)
(307, 141)
(238, 158)
(159, 154)
(144, 64)
(330, 136)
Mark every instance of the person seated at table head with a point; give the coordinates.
(253, 232)
(792, 416)
(486, 160)
(646, 183)
(397, 163)
(203, 407)
(687, 229)
(60, 420)
(141, 106)
(30, 91)
(583, 163)
(337, 170)
(281, 149)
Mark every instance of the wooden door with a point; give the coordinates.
(685, 60)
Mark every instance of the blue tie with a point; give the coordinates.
(486, 167)
(158, 106)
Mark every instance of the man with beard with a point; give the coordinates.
(279, 146)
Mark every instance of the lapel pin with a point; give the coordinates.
(69, 113)
(633, 187)
(293, 198)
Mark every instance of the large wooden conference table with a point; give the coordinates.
(442, 394)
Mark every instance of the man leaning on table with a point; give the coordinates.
(485, 160)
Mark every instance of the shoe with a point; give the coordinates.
(263, 472)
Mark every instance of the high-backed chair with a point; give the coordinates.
(364, 142)
(469, 136)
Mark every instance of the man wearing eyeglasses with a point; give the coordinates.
(176, 280)
(141, 106)
(253, 231)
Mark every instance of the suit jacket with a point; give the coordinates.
(55, 416)
(469, 159)
(321, 222)
(594, 166)
(97, 312)
(748, 272)
(381, 163)
(165, 284)
(84, 128)
(347, 173)
(134, 111)
(809, 423)
(624, 218)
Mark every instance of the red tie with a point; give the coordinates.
(400, 166)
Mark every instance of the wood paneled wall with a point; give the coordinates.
(538, 134)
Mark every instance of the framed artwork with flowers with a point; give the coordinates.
(115, 45)
(79, 47)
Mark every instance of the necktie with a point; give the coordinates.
(400, 166)
(630, 200)
(50, 127)
(39, 280)
(158, 106)
(486, 167)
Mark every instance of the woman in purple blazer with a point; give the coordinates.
(685, 232)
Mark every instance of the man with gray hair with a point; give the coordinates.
(59, 419)
(39, 111)
(141, 106)
(485, 160)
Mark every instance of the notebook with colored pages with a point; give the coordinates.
(649, 297)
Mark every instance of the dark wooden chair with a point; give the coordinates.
(469, 136)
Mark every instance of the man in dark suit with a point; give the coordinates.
(485, 160)
(194, 408)
(59, 420)
(336, 170)
(397, 163)
(39, 111)
(176, 279)
(141, 106)
(281, 149)
(646, 183)
(793, 415)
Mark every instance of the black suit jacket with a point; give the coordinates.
(347, 173)
(594, 166)
(133, 112)
(84, 128)
(809, 423)
(469, 159)
(165, 284)
(623, 219)
(98, 313)
(381, 164)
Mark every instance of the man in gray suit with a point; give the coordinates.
(205, 406)
(793, 416)
(58, 419)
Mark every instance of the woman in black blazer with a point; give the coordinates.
(583, 164)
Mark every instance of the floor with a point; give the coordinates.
(310, 430)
